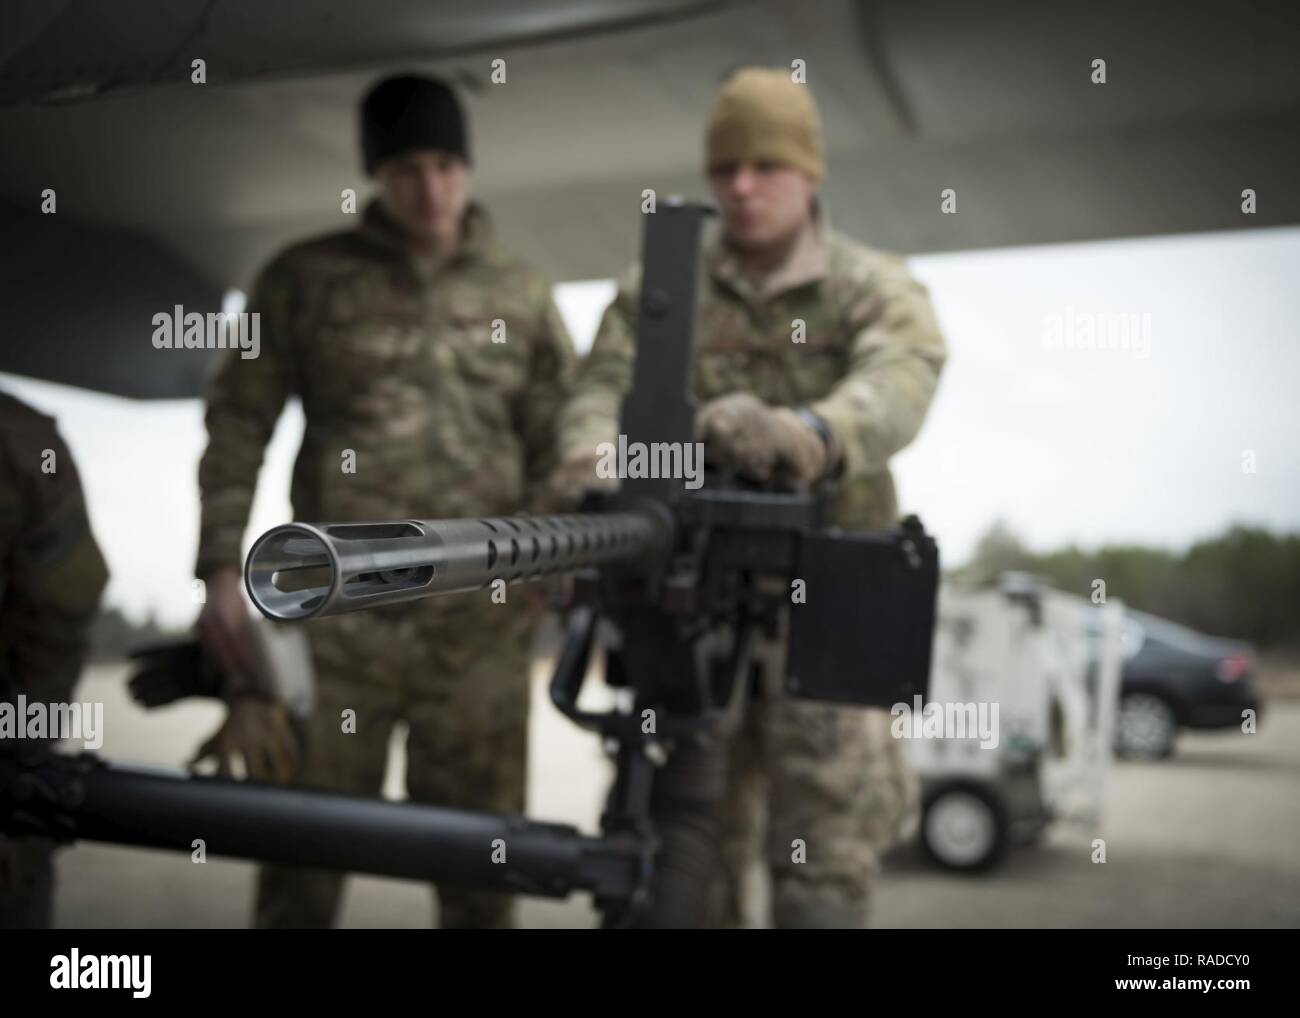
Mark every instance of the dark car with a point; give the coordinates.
(1174, 677)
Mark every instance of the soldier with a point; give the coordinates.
(51, 576)
(817, 358)
(431, 365)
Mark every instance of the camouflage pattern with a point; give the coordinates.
(398, 362)
(465, 704)
(868, 364)
(51, 578)
(830, 787)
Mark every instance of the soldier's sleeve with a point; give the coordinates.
(895, 361)
(550, 376)
(603, 379)
(53, 571)
(244, 398)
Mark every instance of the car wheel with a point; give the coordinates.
(964, 827)
(1146, 727)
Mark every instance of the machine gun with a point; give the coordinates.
(688, 580)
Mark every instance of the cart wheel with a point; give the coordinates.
(964, 827)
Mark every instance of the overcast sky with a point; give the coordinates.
(1089, 446)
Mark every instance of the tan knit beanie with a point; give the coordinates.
(761, 113)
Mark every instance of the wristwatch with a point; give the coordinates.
(816, 423)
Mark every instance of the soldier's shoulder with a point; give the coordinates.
(860, 277)
(629, 281)
(27, 437)
(20, 421)
(852, 261)
(326, 253)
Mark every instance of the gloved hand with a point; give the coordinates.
(168, 672)
(257, 732)
(571, 479)
(770, 445)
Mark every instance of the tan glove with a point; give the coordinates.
(770, 445)
(258, 733)
(571, 479)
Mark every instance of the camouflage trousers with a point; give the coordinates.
(457, 674)
(27, 863)
(815, 793)
(27, 885)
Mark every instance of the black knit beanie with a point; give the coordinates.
(409, 112)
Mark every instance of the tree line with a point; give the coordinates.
(1244, 583)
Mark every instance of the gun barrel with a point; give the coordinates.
(302, 570)
(85, 798)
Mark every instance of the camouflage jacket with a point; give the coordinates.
(51, 570)
(841, 328)
(426, 394)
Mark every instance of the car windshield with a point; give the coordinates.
(1131, 638)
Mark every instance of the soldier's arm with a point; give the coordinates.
(551, 363)
(54, 570)
(895, 361)
(591, 416)
(244, 400)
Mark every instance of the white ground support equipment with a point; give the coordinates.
(1053, 672)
